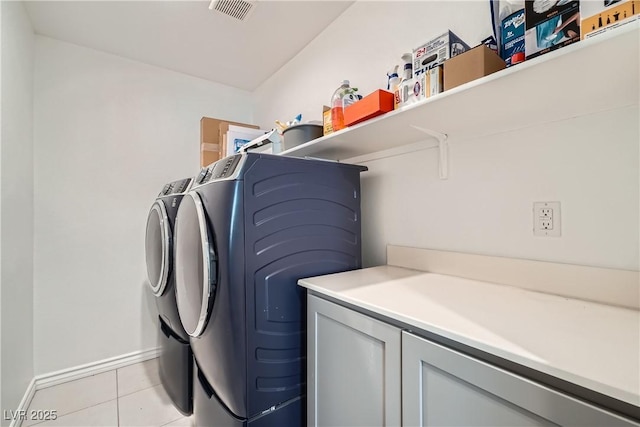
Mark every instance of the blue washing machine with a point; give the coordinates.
(251, 226)
(176, 360)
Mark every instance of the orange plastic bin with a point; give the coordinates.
(372, 105)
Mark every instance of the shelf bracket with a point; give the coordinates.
(443, 150)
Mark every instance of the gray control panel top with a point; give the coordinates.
(222, 169)
(176, 187)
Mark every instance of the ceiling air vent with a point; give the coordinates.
(238, 9)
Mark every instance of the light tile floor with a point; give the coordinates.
(129, 396)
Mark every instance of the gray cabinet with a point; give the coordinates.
(364, 372)
(442, 387)
(354, 364)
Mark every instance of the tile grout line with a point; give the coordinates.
(173, 421)
(76, 410)
(73, 412)
(117, 397)
(142, 389)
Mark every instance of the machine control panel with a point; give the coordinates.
(225, 167)
(181, 186)
(175, 187)
(207, 176)
(204, 175)
(166, 190)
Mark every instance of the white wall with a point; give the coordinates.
(1, 401)
(589, 164)
(109, 133)
(16, 190)
(361, 46)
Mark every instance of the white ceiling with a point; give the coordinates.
(187, 37)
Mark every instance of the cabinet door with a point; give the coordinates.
(442, 387)
(353, 368)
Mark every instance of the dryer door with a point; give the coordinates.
(158, 247)
(195, 258)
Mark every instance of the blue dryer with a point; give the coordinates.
(251, 226)
(175, 361)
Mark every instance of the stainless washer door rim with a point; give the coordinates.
(208, 282)
(165, 233)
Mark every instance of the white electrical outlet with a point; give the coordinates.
(546, 219)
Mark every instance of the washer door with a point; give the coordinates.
(158, 248)
(195, 258)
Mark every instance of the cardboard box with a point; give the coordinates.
(227, 148)
(211, 140)
(431, 83)
(208, 156)
(550, 25)
(491, 42)
(601, 16)
(477, 62)
(237, 136)
(437, 51)
(326, 120)
(512, 37)
(209, 130)
(372, 105)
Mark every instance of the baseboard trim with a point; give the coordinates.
(51, 379)
(24, 403)
(70, 374)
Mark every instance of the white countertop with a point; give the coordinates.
(593, 345)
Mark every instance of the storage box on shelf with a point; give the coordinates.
(211, 138)
(512, 40)
(372, 105)
(436, 51)
(599, 17)
(234, 137)
(432, 82)
(550, 26)
(471, 65)
(327, 128)
(464, 112)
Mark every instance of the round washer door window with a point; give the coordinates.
(158, 248)
(194, 265)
